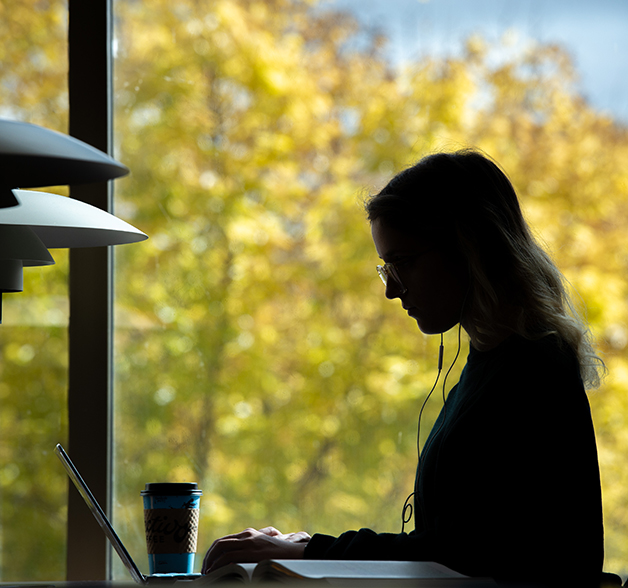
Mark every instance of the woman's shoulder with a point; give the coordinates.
(543, 366)
(517, 351)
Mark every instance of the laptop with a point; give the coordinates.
(109, 531)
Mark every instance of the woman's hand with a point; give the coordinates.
(253, 546)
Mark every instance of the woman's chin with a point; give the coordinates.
(428, 327)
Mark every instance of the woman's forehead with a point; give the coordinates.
(390, 242)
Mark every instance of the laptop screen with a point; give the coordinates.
(99, 514)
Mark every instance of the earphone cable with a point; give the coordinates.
(406, 513)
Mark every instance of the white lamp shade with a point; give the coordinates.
(32, 156)
(60, 221)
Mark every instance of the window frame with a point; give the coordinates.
(90, 371)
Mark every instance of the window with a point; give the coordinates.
(255, 353)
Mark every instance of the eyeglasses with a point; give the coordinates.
(391, 270)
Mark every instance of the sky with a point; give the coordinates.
(594, 32)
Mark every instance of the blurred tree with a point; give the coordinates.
(269, 242)
(33, 336)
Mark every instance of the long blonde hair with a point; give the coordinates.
(465, 200)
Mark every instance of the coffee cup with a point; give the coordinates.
(171, 513)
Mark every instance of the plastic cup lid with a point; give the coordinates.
(172, 488)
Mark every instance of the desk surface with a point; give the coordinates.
(443, 583)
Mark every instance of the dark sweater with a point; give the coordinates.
(509, 485)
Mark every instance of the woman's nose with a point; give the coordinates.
(394, 289)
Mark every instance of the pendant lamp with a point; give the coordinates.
(32, 222)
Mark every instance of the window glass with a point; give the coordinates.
(255, 352)
(33, 334)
